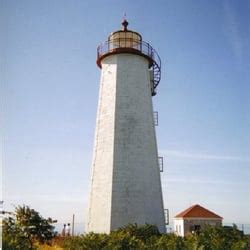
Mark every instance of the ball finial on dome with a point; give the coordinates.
(125, 24)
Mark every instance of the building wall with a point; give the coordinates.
(125, 184)
(179, 227)
(99, 206)
(190, 223)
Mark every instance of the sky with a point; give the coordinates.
(49, 94)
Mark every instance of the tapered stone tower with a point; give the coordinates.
(125, 181)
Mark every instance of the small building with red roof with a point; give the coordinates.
(194, 219)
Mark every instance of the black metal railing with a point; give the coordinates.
(129, 45)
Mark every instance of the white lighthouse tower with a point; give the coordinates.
(125, 181)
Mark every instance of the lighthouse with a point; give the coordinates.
(125, 184)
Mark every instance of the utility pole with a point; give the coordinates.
(73, 225)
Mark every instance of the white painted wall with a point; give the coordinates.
(179, 226)
(125, 182)
(99, 207)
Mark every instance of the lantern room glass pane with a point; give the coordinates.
(125, 39)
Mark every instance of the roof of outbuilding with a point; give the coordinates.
(197, 211)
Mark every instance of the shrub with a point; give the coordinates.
(148, 237)
(86, 242)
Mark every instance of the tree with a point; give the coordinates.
(25, 227)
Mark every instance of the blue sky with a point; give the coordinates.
(49, 95)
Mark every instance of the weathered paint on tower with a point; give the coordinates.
(125, 181)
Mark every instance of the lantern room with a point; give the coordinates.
(128, 41)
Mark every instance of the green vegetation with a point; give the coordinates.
(26, 229)
(148, 237)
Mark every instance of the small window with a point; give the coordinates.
(197, 228)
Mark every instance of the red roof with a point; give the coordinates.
(197, 211)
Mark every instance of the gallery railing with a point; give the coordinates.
(129, 45)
